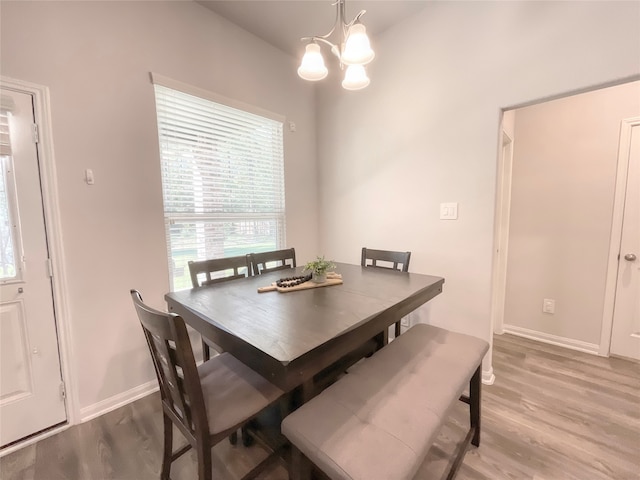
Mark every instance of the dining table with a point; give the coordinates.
(289, 337)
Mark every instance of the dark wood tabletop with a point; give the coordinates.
(289, 337)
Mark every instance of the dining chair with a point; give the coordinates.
(217, 270)
(206, 403)
(390, 260)
(263, 262)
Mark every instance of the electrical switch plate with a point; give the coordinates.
(292, 126)
(549, 305)
(88, 176)
(448, 211)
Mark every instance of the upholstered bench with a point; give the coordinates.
(379, 421)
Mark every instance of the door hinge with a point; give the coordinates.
(63, 392)
(36, 133)
(50, 267)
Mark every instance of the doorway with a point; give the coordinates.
(32, 393)
(622, 302)
(560, 227)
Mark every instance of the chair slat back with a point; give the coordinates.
(175, 366)
(391, 260)
(217, 270)
(271, 261)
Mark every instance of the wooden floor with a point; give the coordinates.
(552, 414)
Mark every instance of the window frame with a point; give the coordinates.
(195, 220)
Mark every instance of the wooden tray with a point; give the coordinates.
(332, 279)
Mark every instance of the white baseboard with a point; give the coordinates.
(91, 412)
(488, 377)
(34, 439)
(578, 345)
(117, 401)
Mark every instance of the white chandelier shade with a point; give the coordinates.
(352, 49)
(312, 67)
(355, 78)
(357, 49)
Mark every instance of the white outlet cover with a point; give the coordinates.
(88, 177)
(448, 211)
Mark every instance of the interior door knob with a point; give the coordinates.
(630, 257)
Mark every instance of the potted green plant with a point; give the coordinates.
(319, 268)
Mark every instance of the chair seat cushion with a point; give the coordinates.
(233, 392)
(379, 420)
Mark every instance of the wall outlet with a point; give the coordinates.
(405, 322)
(448, 211)
(549, 305)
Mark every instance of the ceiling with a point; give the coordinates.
(282, 23)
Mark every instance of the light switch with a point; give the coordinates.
(448, 211)
(88, 176)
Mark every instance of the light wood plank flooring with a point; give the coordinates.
(552, 414)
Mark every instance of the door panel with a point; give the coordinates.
(625, 334)
(30, 383)
(16, 379)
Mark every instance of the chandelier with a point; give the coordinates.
(352, 49)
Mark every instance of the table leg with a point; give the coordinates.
(308, 390)
(382, 338)
(300, 468)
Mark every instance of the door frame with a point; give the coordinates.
(624, 146)
(53, 225)
(501, 229)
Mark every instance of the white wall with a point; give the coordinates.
(426, 131)
(564, 176)
(96, 58)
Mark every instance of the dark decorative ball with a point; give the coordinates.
(292, 281)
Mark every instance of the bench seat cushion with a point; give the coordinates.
(379, 420)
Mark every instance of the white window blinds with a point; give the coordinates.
(5, 140)
(8, 270)
(223, 180)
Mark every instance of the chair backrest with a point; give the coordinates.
(217, 270)
(391, 260)
(180, 387)
(283, 259)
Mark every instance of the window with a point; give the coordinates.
(8, 228)
(222, 180)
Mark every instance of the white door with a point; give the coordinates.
(31, 396)
(625, 334)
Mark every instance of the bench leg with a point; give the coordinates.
(473, 435)
(474, 404)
